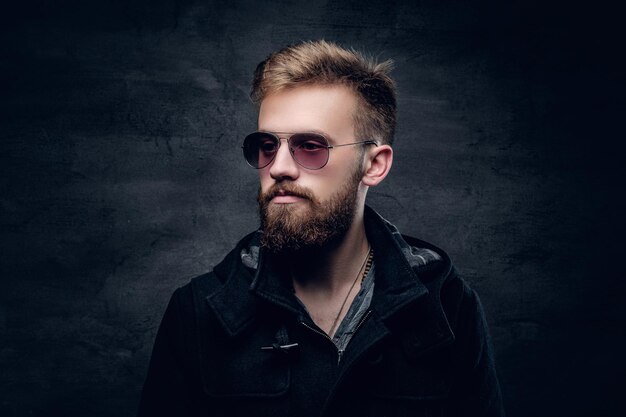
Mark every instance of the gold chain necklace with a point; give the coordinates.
(363, 271)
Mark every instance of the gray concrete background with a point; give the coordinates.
(122, 178)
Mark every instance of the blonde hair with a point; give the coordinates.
(326, 63)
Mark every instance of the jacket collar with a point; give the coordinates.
(406, 298)
(233, 303)
(397, 285)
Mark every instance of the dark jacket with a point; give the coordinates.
(422, 350)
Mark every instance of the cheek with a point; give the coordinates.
(328, 188)
(264, 179)
(330, 182)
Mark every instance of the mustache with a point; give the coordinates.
(283, 189)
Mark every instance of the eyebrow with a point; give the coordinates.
(328, 137)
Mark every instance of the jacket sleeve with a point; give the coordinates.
(167, 390)
(475, 390)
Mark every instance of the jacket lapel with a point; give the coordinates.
(236, 302)
(402, 306)
(400, 294)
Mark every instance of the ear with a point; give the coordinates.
(377, 165)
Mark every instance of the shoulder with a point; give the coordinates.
(188, 299)
(444, 282)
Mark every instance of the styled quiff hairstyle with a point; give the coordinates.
(326, 63)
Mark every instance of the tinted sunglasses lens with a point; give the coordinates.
(309, 150)
(260, 148)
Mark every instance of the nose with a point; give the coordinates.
(284, 166)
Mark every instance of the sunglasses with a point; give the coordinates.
(309, 150)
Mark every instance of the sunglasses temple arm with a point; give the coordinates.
(363, 142)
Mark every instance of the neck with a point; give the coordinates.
(330, 268)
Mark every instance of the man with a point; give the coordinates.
(326, 310)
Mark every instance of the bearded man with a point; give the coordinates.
(326, 310)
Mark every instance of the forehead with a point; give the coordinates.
(316, 108)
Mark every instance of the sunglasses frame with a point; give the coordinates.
(292, 150)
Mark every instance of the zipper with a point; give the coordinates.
(316, 330)
(358, 326)
(356, 329)
(345, 372)
(323, 334)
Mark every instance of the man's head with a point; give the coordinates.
(307, 201)
(325, 63)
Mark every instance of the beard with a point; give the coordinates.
(309, 224)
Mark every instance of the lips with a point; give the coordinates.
(285, 193)
(285, 197)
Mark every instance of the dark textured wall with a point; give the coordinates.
(122, 178)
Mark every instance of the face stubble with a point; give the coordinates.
(290, 228)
